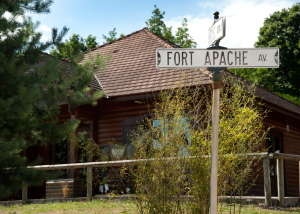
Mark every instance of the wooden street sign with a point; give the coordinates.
(217, 31)
(205, 58)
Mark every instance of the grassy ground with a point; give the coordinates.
(114, 206)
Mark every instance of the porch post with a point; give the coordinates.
(267, 182)
(89, 183)
(90, 153)
(24, 193)
(280, 182)
(71, 146)
(71, 153)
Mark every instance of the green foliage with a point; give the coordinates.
(264, 78)
(90, 42)
(281, 30)
(32, 84)
(183, 38)
(156, 25)
(289, 97)
(112, 36)
(259, 76)
(75, 44)
(176, 141)
(120, 206)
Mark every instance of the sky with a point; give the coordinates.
(97, 17)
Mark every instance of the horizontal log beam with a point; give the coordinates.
(124, 162)
(286, 156)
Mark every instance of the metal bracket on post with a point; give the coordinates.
(217, 75)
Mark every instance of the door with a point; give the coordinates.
(131, 126)
(274, 144)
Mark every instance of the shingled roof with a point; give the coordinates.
(132, 69)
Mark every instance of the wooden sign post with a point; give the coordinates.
(216, 58)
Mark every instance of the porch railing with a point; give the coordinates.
(266, 167)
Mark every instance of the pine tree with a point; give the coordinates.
(29, 93)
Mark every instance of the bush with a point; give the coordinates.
(176, 140)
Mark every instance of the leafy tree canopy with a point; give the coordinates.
(32, 83)
(156, 25)
(75, 44)
(282, 30)
(111, 36)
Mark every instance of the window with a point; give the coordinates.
(180, 126)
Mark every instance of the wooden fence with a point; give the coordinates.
(266, 167)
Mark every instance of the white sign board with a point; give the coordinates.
(217, 30)
(205, 58)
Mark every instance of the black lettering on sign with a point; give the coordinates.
(229, 52)
(215, 56)
(262, 57)
(191, 52)
(168, 56)
(184, 55)
(244, 52)
(222, 60)
(178, 56)
(207, 58)
(239, 57)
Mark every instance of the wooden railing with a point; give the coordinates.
(280, 173)
(89, 177)
(266, 167)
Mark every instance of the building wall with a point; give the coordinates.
(110, 117)
(109, 129)
(291, 145)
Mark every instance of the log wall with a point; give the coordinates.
(110, 117)
(291, 145)
(109, 129)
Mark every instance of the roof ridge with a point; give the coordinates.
(159, 38)
(45, 53)
(123, 37)
(258, 86)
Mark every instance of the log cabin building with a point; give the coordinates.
(131, 76)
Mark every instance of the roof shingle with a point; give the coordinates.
(132, 69)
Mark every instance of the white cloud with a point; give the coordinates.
(9, 16)
(244, 18)
(206, 4)
(46, 31)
